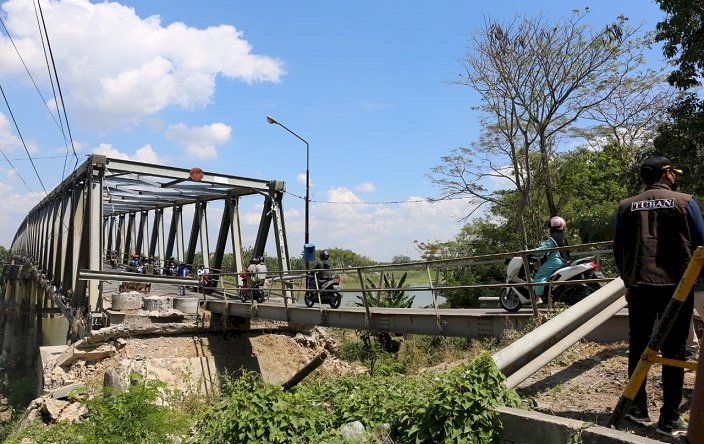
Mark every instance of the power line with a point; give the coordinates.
(16, 171)
(22, 139)
(58, 84)
(39, 157)
(26, 68)
(390, 202)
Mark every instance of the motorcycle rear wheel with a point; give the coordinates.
(243, 295)
(259, 296)
(309, 300)
(335, 300)
(509, 300)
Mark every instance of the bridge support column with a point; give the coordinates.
(9, 326)
(31, 322)
(18, 348)
(5, 310)
(19, 320)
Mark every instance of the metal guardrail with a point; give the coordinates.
(285, 284)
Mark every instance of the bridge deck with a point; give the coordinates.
(470, 323)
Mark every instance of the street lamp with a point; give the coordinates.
(273, 121)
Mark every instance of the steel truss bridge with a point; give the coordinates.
(60, 251)
(110, 204)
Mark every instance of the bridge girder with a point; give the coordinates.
(115, 204)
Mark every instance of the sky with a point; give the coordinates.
(370, 85)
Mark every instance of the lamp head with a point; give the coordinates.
(271, 120)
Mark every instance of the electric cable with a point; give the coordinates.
(36, 87)
(53, 89)
(22, 139)
(58, 84)
(390, 202)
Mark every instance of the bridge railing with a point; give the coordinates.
(434, 276)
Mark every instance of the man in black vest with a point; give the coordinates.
(654, 237)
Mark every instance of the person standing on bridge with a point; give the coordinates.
(553, 260)
(182, 271)
(655, 234)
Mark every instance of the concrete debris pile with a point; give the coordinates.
(77, 362)
(316, 338)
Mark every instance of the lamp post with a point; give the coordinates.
(273, 121)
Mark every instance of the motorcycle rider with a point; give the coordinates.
(261, 270)
(322, 270)
(249, 276)
(553, 260)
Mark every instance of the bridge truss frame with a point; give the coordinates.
(111, 204)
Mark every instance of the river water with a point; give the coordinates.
(422, 299)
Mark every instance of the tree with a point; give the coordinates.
(681, 138)
(631, 115)
(589, 184)
(401, 259)
(536, 79)
(682, 34)
(342, 258)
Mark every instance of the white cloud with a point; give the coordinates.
(144, 154)
(147, 154)
(8, 140)
(379, 231)
(200, 141)
(113, 78)
(366, 187)
(17, 207)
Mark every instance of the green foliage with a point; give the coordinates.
(401, 259)
(129, 417)
(394, 297)
(681, 141)
(38, 433)
(681, 32)
(461, 408)
(132, 416)
(252, 411)
(343, 258)
(457, 406)
(590, 184)
(681, 138)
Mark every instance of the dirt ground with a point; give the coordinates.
(191, 361)
(586, 382)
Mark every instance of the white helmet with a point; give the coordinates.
(555, 222)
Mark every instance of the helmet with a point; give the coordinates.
(253, 260)
(324, 255)
(261, 259)
(555, 222)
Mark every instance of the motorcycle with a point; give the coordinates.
(208, 284)
(513, 298)
(255, 292)
(327, 291)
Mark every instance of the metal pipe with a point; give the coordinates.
(533, 344)
(305, 371)
(135, 277)
(592, 324)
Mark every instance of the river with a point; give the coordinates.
(422, 299)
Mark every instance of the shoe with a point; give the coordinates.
(638, 414)
(673, 427)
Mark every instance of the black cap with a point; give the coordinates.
(651, 169)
